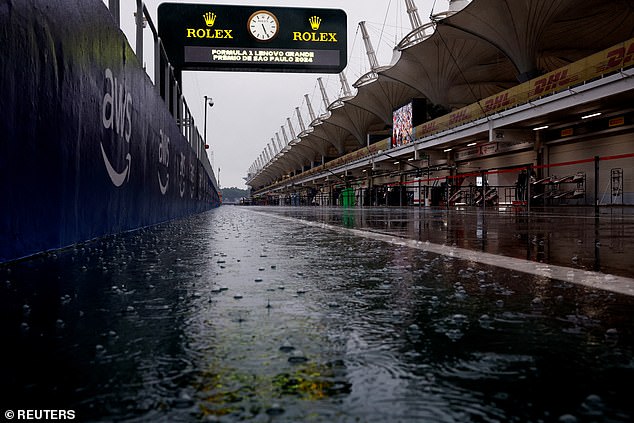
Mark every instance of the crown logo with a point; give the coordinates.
(315, 21)
(210, 18)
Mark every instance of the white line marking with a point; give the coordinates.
(591, 279)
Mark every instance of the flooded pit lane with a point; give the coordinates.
(241, 315)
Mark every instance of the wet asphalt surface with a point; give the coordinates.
(251, 314)
(573, 237)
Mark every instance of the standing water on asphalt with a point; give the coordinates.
(237, 314)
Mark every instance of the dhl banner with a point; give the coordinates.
(606, 61)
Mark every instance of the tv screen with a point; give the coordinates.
(402, 125)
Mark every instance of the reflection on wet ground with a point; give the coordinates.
(237, 314)
(565, 236)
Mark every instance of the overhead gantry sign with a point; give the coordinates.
(253, 38)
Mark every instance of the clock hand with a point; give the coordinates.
(265, 31)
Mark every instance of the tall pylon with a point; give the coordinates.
(311, 112)
(290, 127)
(279, 140)
(344, 85)
(299, 118)
(412, 12)
(374, 63)
(271, 151)
(324, 95)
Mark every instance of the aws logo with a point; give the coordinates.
(182, 180)
(321, 37)
(210, 19)
(116, 115)
(164, 161)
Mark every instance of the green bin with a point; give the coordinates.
(347, 197)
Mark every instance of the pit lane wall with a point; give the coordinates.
(88, 147)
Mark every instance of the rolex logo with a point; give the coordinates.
(210, 18)
(315, 21)
(318, 37)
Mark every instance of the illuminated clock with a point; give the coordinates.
(263, 25)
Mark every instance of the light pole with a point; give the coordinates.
(208, 101)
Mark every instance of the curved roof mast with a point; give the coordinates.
(279, 141)
(324, 95)
(344, 85)
(291, 129)
(374, 63)
(299, 118)
(311, 112)
(412, 12)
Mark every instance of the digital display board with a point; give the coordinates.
(402, 125)
(253, 38)
(405, 119)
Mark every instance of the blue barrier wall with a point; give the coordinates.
(88, 147)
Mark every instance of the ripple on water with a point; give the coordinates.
(386, 337)
(480, 366)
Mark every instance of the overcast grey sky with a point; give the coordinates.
(250, 107)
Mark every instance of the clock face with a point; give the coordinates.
(263, 25)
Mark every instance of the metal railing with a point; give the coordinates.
(165, 82)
